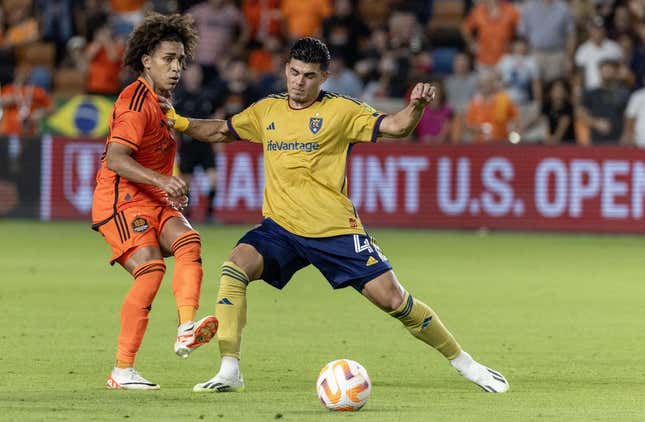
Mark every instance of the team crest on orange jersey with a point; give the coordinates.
(315, 124)
(139, 225)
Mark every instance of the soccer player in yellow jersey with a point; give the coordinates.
(308, 218)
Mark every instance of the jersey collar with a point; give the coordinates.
(145, 83)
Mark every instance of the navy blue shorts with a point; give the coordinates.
(346, 260)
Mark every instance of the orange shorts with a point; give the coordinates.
(135, 227)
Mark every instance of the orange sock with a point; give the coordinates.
(187, 277)
(135, 309)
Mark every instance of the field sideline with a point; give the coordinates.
(562, 316)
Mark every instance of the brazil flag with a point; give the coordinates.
(82, 116)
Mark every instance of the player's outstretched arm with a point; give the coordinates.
(205, 130)
(209, 130)
(401, 124)
(119, 159)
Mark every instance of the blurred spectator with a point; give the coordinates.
(126, 14)
(559, 114)
(582, 11)
(637, 60)
(24, 105)
(274, 81)
(488, 30)
(88, 15)
(636, 9)
(192, 98)
(75, 57)
(520, 75)
(621, 23)
(461, 85)
(435, 126)
(405, 32)
(343, 30)
(222, 31)
(625, 75)
(603, 107)
(304, 18)
(260, 60)
(491, 115)
(238, 91)
(22, 28)
(374, 12)
(549, 28)
(634, 131)
(56, 22)
(104, 56)
(263, 17)
(342, 80)
(595, 50)
(392, 79)
(367, 65)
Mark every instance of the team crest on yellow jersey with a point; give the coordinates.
(315, 124)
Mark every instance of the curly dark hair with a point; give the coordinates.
(311, 50)
(154, 29)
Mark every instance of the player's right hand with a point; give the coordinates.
(172, 185)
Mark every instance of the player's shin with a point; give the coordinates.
(187, 277)
(424, 324)
(135, 309)
(231, 309)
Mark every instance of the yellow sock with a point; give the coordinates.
(231, 309)
(186, 313)
(424, 324)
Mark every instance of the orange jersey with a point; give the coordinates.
(137, 122)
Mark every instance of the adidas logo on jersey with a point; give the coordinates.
(271, 126)
(371, 261)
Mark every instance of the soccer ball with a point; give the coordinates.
(343, 385)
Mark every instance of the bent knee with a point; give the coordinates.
(248, 259)
(187, 246)
(392, 302)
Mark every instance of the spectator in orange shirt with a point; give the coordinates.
(263, 18)
(304, 17)
(127, 13)
(103, 55)
(22, 28)
(23, 105)
(491, 116)
(489, 28)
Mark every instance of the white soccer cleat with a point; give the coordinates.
(192, 335)
(219, 384)
(487, 379)
(129, 379)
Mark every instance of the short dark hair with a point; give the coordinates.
(311, 50)
(154, 29)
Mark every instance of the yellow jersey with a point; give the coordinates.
(305, 156)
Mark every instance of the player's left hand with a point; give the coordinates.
(422, 94)
(173, 120)
(179, 203)
(164, 103)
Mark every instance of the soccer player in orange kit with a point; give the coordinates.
(137, 202)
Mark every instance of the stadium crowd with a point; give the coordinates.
(549, 71)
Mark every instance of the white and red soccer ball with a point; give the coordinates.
(343, 385)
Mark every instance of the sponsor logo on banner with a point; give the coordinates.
(72, 167)
(527, 188)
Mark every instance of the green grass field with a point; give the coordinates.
(562, 316)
